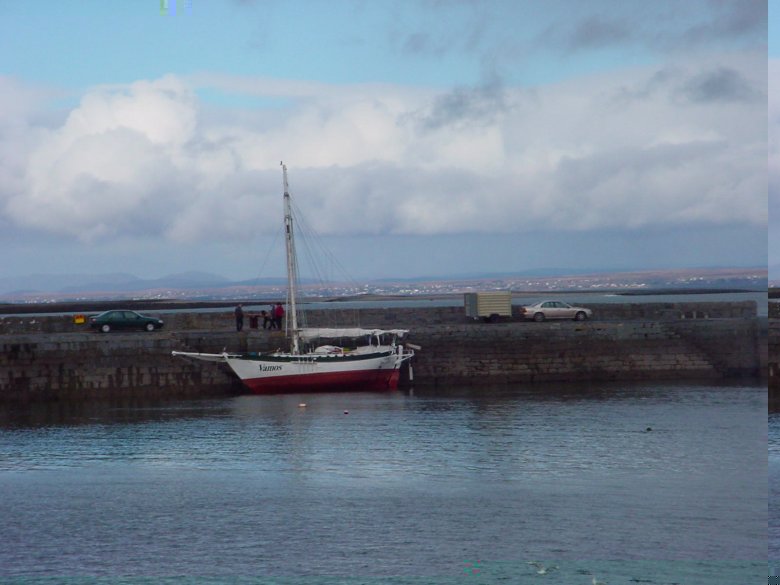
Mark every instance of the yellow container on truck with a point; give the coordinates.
(488, 305)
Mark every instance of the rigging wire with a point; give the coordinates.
(271, 248)
(314, 249)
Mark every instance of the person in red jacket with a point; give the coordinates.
(278, 315)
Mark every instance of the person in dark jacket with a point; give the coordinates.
(239, 318)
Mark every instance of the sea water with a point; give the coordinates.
(570, 484)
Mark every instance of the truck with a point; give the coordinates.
(488, 306)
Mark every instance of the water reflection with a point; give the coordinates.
(350, 483)
(115, 411)
(491, 401)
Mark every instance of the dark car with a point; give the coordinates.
(123, 320)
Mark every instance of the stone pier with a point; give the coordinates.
(51, 358)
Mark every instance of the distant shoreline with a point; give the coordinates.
(97, 306)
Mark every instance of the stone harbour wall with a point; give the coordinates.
(773, 350)
(83, 366)
(703, 341)
(773, 343)
(403, 318)
(591, 351)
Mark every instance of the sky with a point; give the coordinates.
(773, 126)
(422, 137)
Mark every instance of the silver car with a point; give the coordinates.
(555, 310)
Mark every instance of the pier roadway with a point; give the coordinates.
(51, 358)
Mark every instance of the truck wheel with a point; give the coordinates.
(539, 317)
(580, 316)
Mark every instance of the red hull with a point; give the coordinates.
(367, 380)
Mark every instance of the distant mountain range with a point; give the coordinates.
(192, 285)
(121, 282)
(535, 273)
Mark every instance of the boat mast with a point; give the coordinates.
(292, 264)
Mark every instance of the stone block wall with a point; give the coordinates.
(733, 346)
(773, 343)
(86, 366)
(403, 318)
(571, 352)
(773, 350)
(81, 365)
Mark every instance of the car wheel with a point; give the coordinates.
(580, 316)
(150, 326)
(539, 317)
(105, 328)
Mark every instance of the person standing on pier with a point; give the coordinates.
(239, 317)
(278, 315)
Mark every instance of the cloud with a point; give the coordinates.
(112, 167)
(730, 20)
(666, 146)
(662, 25)
(22, 127)
(463, 105)
(774, 152)
(721, 84)
(596, 32)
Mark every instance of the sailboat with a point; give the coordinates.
(307, 367)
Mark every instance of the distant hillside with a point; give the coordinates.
(117, 285)
(206, 286)
(62, 282)
(116, 282)
(536, 273)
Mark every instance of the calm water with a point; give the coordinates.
(759, 297)
(774, 492)
(435, 486)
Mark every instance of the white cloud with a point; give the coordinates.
(21, 131)
(111, 165)
(773, 167)
(662, 146)
(774, 136)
